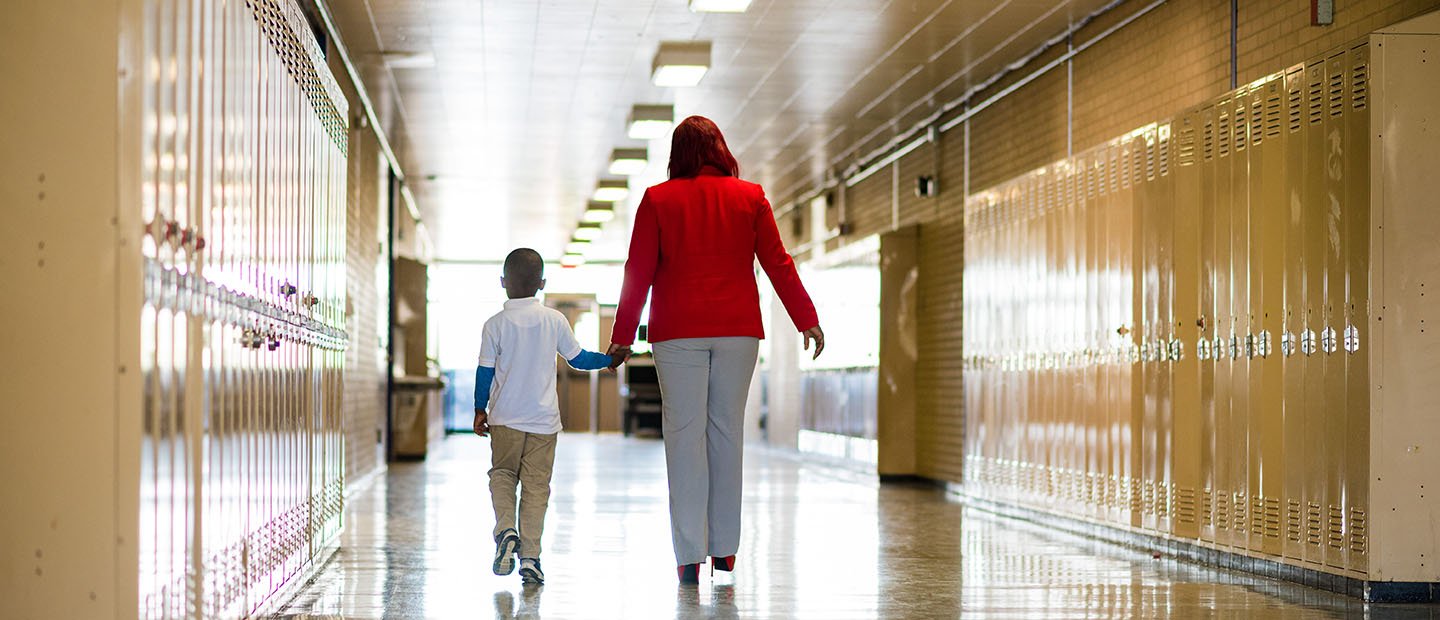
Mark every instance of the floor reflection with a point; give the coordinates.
(819, 542)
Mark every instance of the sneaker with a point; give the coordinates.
(530, 570)
(506, 543)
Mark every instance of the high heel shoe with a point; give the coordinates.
(689, 574)
(726, 564)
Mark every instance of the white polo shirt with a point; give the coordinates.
(520, 343)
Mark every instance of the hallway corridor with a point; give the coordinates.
(819, 542)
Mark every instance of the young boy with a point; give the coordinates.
(517, 368)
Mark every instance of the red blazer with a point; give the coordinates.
(695, 242)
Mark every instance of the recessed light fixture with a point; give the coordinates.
(628, 162)
(576, 247)
(572, 260)
(648, 122)
(587, 231)
(680, 63)
(599, 212)
(408, 60)
(719, 6)
(611, 190)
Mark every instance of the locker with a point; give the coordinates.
(1241, 339)
(1297, 449)
(1188, 327)
(1314, 209)
(1357, 295)
(1267, 240)
(1225, 339)
(1333, 314)
(1206, 353)
(1161, 194)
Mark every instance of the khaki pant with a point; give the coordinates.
(527, 459)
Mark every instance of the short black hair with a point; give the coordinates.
(524, 269)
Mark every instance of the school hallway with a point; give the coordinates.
(820, 540)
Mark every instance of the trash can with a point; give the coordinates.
(416, 421)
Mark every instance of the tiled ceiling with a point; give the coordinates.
(504, 137)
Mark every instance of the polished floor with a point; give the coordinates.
(820, 541)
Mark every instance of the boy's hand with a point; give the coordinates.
(482, 423)
(619, 354)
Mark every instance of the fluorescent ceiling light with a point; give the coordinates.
(629, 162)
(599, 212)
(588, 231)
(572, 260)
(648, 122)
(611, 190)
(680, 63)
(576, 247)
(408, 60)
(719, 6)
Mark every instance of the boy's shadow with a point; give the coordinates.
(529, 603)
(721, 607)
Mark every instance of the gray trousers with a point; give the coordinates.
(703, 385)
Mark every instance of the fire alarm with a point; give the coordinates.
(925, 186)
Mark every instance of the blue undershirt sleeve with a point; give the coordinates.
(590, 360)
(484, 376)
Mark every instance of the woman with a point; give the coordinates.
(695, 241)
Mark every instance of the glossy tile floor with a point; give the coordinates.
(820, 541)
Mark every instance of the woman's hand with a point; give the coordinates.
(619, 354)
(818, 335)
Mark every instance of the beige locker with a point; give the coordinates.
(1267, 239)
(1226, 341)
(1240, 350)
(1333, 315)
(1186, 320)
(1357, 216)
(1296, 449)
(1206, 351)
(1314, 206)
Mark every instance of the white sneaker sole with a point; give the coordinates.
(505, 555)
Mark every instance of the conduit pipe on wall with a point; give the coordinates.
(904, 144)
(333, 33)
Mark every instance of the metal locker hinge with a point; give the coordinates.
(1307, 342)
(1262, 344)
(1251, 350)
(1352, 339)
(1287, 343)
(1234, 346)
(1327, 340)
(1202, 348)
(1177, 350)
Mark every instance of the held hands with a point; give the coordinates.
(818, 335)
(619, 354)
(482, 423)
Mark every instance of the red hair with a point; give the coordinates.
(697, 142)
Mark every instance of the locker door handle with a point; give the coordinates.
(1177, 350)
(1262, 344)
(1123, 330)
(1202, 348)
(1287, 343)
(1327, 340)
(1352, 339)
(1307, 342)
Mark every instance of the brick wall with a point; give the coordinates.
(1170, 58)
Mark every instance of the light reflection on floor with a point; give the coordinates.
(819, 542)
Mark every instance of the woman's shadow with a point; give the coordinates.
(529, 603)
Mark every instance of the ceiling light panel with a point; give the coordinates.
(629, 162)
(572, 260)
(611, 190)
(719, 6)
(587, 232)
(599, 212)
(648, 122)
(680, 63)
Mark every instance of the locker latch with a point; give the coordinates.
(1327, 340)
(1287, 343)
(287, 289)
(1262, 344)
(1352, 339)
(1202, 348)
(1177, 350)
(1307, 342)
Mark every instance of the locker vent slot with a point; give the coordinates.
(1257, 515)
(1273, 115)
(289, 34)
(1149, 158)
(1296, 105)
(1241, 506)
(1138, 163)
(1209, 143)
(1164, 154)
(1239, 126)
(1312, 524)
(1293, 521)
(1185, 509)
(1257, 122)
(1315, 95)
(1113, 171)
(1335, 528)
(1224, 143)
(1187, 145)
(1335, 94)
(1359, 85)
(1272, 518)
(1207, 508)
(1089, 181)
(1222, 511)
(1124, 170)
(1358, 544)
